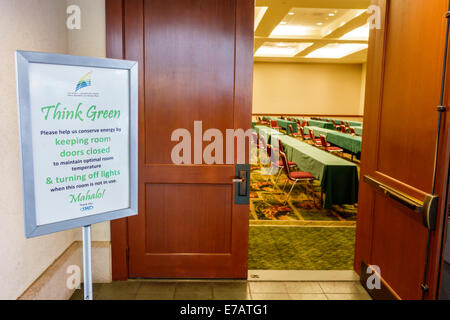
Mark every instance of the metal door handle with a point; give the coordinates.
(428, 208)
(242, 189)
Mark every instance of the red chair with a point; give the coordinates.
(303, 135)
(255, 140)
(276, 162)
(261, 121)
(316, 141)
(292, 133)
(336, 126)
(294, 176)
(352, 131)
(274, 125)
(262, 143)
(326, 146)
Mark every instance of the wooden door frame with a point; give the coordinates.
(374, 95)
(114, 12)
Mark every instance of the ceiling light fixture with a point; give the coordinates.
(361, 33)
(283, 50)
(290, 31)
(259, 15)
(337, 50)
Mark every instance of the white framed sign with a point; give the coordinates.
(79, 134)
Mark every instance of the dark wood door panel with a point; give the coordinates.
(404, 74)
(411, 93)
(189, 65)
(177, 225)
(399, 240)
(195, 63)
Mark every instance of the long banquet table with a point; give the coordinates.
(321, 124)
(285, 125)
(340, 139)
(338, 177)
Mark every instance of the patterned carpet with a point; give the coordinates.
(301, 248)
(299, 234)
(267, 204)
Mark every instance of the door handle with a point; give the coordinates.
(242, 178)
(428, 208)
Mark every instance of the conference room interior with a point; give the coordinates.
(307, 119)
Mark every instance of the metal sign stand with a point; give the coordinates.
(87, 263)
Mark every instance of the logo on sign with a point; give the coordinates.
(86, 208)
(85, 81)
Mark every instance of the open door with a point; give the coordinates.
(195, 64)
(405, 63)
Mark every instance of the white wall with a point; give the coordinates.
(307, 88)
(37, 26)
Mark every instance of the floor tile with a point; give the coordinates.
(154, 296)
(230, 287)
(193, 290)
(270, 296)
(232, 296)
(341, 287)
(120, 290)
(303, 287)
(267, 287)
(163, 288)
(308, 296)
(348, 296)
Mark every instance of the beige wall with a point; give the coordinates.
(300, 88)
(38, 25)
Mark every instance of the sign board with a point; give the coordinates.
(78, 131)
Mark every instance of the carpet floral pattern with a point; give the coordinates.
(268, 206)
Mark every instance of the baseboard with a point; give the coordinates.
(51, 284)
(384, 293)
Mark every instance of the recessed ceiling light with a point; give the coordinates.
(290, 31)
(337, 50)
(361, 33)
(291, 13)
(283, 50)
(331, 14)
(319, 23)
(283, 22)
(259, 15)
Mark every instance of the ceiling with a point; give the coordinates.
(311, 31)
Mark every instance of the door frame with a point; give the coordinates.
(374, 94)
(114, 16)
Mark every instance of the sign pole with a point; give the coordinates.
(87, 263)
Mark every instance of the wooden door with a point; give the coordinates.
(405, 64)
(195, 63)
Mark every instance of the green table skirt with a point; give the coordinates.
(321, 124)
(345, 141)
(338, 177)
(285, 125)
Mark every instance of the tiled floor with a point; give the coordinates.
(227, 290)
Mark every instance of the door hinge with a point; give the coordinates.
(127, 252)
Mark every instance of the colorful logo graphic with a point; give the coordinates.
(84, 82)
